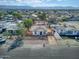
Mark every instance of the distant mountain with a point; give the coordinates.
(30, 7)
(58, 7)
(14, 7)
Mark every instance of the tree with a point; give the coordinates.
(1, 14)
(17, 15)
(22, 30)
(42, 16)
(28, 23)
(20, 25)
(64, 19)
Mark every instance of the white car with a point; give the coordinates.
(2, 41)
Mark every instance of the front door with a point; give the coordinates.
(40, 33)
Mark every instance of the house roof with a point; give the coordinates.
(11, 26)
(38, 28)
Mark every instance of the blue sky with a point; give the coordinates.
(41, 3)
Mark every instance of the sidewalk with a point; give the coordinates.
(34, 43)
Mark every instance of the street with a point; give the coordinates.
(44, 53)
(33, 49)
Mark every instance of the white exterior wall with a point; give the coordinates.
(33, 33)
(38, 33)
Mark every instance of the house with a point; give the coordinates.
(8, 17)
(11, 27)
(39, 28)
(66, 31)
(41, 23)
(2, 29)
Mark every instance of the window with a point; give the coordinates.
(35, 32)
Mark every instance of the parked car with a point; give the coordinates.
(17, 43)
(2, 41)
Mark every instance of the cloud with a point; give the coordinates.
(29, 1)
(36, 3)
(19, 0)
(61, 0)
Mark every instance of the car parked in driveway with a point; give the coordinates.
(17, 43)
(2, 41)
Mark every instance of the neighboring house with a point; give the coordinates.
(8, 17)
(74, 19)
(66, 30)
(41, 23)
(11, 27)
(72, 32)
(2, 29)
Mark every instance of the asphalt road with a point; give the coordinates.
(42, 53)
